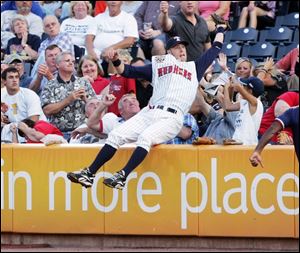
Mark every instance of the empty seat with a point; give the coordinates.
(284, 50)
(260, 51)
(232, 50)
(296, 36)
(279, 35)
(244, 35)
(291, 19)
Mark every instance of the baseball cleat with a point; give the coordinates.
(83, 177)
(117, 181)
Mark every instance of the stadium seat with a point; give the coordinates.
(244, 35)
(279, 35)
(284, 50)
(291, 20)
(232, 50)
(260, 51)
(296, 36)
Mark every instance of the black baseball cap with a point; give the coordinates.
(255, 84)
(172, 42)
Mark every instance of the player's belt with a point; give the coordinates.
(168, 109)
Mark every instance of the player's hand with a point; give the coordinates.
(108, 99)
(112, 55)
(255, 159)
(164, 7)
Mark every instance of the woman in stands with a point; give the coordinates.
(259, 13)
(89, 68)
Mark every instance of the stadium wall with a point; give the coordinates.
(179, 190)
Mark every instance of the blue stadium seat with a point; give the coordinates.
(291, 20)
(279, 35)
(260, 51)
(232, 50)
(244, 35)
(296, 36)
(284, 50)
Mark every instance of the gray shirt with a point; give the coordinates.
(196, 35)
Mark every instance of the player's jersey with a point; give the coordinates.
(169, 76)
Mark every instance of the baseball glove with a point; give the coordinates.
(284, 139)
(220, 21)
(231, 142)
(204, 141)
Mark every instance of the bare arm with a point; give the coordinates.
(89, 42)
(228, 105)
(163, 18)
(224, 8)
(255, 158)
(31, 133)
(94, 119)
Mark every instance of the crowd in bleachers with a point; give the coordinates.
(57, 80)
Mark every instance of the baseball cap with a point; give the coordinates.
(13, 57)
(253, 83)
(172, 42)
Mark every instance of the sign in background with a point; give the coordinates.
(177, 190)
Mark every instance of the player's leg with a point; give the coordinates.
(161, 131)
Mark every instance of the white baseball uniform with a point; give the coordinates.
(174, 89)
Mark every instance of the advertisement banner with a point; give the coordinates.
(177, 190)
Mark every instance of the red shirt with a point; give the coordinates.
(99, 84)
(292, 99)
(45, 128)
(120, 86)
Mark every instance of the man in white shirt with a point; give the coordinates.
(21, 103)
(113, 29)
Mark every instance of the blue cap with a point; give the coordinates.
(255, 84)
(172, 42)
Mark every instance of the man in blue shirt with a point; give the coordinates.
(289, 119)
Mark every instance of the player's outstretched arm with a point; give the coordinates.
(255, 158)
(113, 56)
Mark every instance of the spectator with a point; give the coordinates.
(77, 25)
(64, 98)
(62, 40)
(188, 132)
(207, 8)
(274, 81)
(290, 63)
(89, 68)
(279, 106)
(131, 6)
(100, 123)
(34, 132)
(15, 60)
(250, 108)
(46, 72)
(113, 29)
(24, 43)
(152, 39)
(187, 25)
(51, 8)
(260, 13)
(35, 23)
(11, 5)
(221, 124)
(17, 103)
(120, 85)
(144, 88)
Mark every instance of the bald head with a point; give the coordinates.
(51, 26)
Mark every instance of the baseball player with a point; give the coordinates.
(175, 84)
(288, 119)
